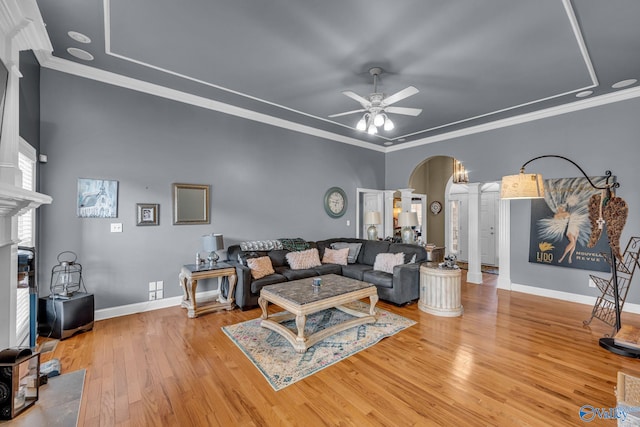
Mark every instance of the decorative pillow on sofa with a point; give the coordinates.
(386, 261)
(335, 256)
(304, 259)
(260, 267)
(354, 250)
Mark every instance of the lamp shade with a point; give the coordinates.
(408, 219)
(522, 186)
(372, 217)
(213, 242)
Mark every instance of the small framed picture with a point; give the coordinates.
(148, 214)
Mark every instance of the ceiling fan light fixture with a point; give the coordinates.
(378, 120)
(362, 124)
(388, 124)
(372, 129)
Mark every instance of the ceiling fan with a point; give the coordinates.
(376, 106)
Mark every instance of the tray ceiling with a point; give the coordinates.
(286, 62)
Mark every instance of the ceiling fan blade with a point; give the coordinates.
(362, 110)
(363, 101)
(403, 110)
(398, 96)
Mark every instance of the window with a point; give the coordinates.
(26, 237)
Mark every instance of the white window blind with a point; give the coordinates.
(26, 236)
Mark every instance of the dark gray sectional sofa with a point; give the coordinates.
(399, 288)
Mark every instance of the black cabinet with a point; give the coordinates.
(62, 317)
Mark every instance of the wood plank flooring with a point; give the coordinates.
(512, 359)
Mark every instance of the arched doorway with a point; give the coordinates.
(472, 220)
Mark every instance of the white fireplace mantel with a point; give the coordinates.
(14, 201)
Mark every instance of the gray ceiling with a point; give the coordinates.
(472, 61)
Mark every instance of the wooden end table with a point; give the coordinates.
(189, 276)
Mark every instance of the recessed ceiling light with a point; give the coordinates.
(584, 93)
(401, 140)
(388, 143)
(79, 37)
(80, 54)
(624, 83)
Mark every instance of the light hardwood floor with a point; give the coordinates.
(512, 359)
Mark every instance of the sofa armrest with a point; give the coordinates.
(406, 281)
(243, 285)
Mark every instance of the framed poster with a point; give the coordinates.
(560, 226)
(97, 198)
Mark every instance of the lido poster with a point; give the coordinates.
(560, 226)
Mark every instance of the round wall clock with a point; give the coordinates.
(435, 207)
(335, 202)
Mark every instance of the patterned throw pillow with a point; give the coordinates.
(385, 262)
(260, 267)
(354, 250)
(335, 256)
(304, 259)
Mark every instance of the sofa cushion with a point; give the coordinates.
(303, 259)
(244, 256)
(278, 257)
(295, 244)
(409, 251)
(291, 274)
(328, 269)
(354, 250)
(370, 249)
(335, 256)
(260, 245)
(260, 267)
(355, 271)
(256, 285)
(386, 261)
(378, 278)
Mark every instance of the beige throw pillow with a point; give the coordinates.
(335, 256)
(260, 267)
(385, 262)
(302, 260)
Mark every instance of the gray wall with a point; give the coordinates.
(598, 139)
(266, 182)
(29, 99)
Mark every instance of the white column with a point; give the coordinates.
(388, 214)
(504, 244)
(474, 274)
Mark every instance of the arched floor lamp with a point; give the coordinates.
(530, 186)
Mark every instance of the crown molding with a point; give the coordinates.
(584, 104)
(54, 63)
(21, 19)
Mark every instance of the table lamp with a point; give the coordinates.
(212, 243)
(406, 220)
(372, 219)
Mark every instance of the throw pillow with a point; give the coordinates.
(335, 256)
(260, 267)
(385, 262)
(354, 250)
(304, 259)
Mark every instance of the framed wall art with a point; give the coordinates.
(190, 204)
(148, 214)
(97, 198)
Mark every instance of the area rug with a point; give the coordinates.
(279, 363)
(58, 403)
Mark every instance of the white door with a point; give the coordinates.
(488, 228)
(369, 201)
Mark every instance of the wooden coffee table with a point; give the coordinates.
(299, 298)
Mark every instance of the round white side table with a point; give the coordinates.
(440, 291)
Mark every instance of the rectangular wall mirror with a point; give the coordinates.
(190, 204)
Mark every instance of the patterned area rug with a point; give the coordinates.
(282, 366)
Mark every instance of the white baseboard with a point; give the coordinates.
(124, 310)
(566, 296)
